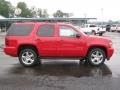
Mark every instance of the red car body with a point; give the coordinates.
(57, 46)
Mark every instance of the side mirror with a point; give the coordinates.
(77, 35)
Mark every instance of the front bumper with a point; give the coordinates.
(110, 53)
(12, 51)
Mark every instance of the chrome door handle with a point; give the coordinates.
(38, 40)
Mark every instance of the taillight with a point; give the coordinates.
(6, 42)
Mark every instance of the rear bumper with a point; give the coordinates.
(113, 30)
(118, 30)
(109, 53)
(12, 51)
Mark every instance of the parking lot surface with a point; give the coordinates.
(61, 74)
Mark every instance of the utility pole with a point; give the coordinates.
(85, 16)
(102, 18)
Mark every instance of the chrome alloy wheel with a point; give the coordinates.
(97, 57)
(28, 58)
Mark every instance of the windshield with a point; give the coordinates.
(92, 26)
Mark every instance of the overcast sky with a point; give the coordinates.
(101, 9)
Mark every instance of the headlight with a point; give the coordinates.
(111, 44)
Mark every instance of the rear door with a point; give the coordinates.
(46, 40)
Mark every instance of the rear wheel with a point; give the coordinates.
(96, 57)
(28, 57)
(100, 34)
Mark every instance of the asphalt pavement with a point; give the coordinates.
(61, 74)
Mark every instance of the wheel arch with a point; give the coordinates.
(100, 47)
(23, 46)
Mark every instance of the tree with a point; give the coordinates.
(11, 9)
(44, 13)
(58, 13)
(34, 11)
(39, 12)
(6, 9)
(26, 12)
(68, 14)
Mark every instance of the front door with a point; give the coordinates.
(68, 43)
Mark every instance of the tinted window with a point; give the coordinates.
(92, 25)
(65, 31)
(46, 31)
(113, 25)
(20, 29)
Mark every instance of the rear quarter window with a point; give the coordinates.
(20, 29)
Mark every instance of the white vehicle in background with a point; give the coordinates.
(113, 28)
(93, 29)
(118, 28)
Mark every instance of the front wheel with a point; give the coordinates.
(96, 57)
(93, 32)
(28, 57)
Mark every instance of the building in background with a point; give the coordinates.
(76, 21)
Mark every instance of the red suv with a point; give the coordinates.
(32, 41)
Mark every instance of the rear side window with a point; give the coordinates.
(46, 31)
(20, 29)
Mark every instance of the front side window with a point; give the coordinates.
(46, 31)
(65, 31)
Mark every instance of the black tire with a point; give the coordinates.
(96, 61)
(83, 61)
(100, 34)
(34, 57)
(93, 32)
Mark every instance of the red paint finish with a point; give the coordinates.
(56, 45)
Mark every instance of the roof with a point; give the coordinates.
(44, 19)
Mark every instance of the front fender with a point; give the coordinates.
(90, 46)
